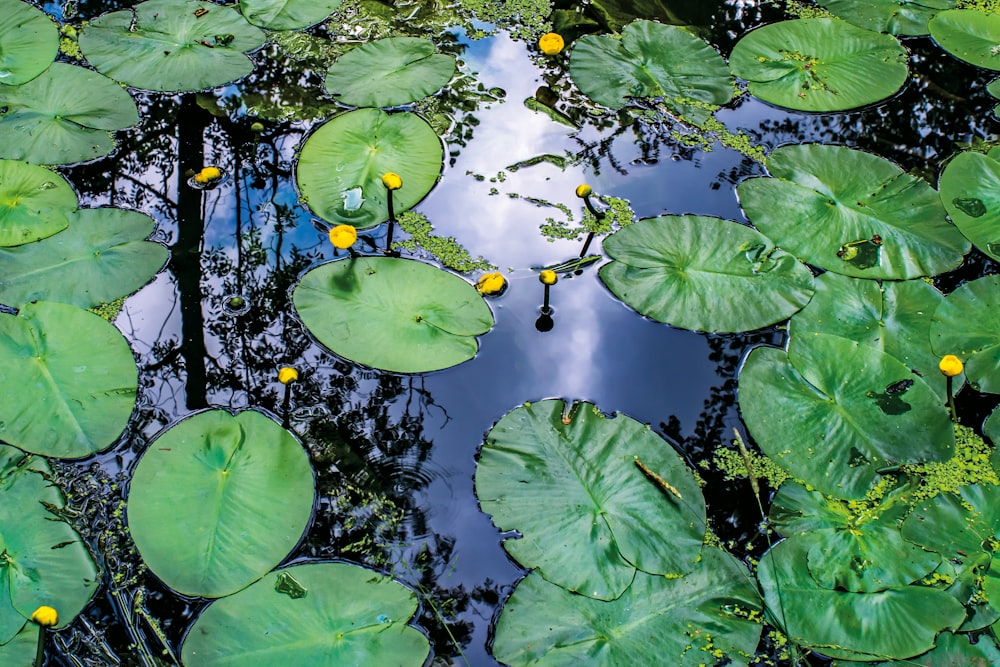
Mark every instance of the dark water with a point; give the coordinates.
(395, 455)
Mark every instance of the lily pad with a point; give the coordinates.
(287, 14)
(970, 191)
(63, 116)
(34, 203)
(171, 45)
(896, 17)
(847, 548)
(580, 489)
(852, 212)
(29, 42)
(969, 35)
(951, 650)
(389, 72)
(68, 381)
(652, 60)
(894, 316)
(690, 621)
(833, 412)
(967, 325)
(20, 651)
(216, 501)
(45, 561)
(311, 615)
(819, 64)
(341, 166)
(102, 256)
(705, 274)
(897, 623)
(394, 314)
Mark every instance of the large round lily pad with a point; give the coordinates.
(101, 256)
(896, 17)
(967, 325)
(586, 493)
(287, 14)
(689, 621)
(341, 166)
(394, 314)
(833, 412)
(62, 116)
(312, 615)
(950, 650)
(171, 45)
(852, 212)
(970, 191)
(703, 273)
(20, 651)
(34, 202)
(68, 380)
(892, 316)
(389, 72)
(29, 42)
(217, 501)
(819, 64)
(651, 60)
(897, 623)
(969, 35)
(45, 561)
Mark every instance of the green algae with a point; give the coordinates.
(444, 249)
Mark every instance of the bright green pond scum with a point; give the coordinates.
(391, 332)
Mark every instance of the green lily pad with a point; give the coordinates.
(394, 314)
(896, 17)
(68, 381)
(63, 116)
(969, 190)
(101, 256)
(588, 514)
(45, 561)
(34, 202)
(833, 412)
(852, 212)
(897, 623)
(287, 14)
(894, 316)
(819, 64)
(171, 46)
(951, 650)
(651, 60)
(994, 89)
(959, 526)
(690, 621)
(969, 35)
(29, 42)
(389, 72)
(311, 615)
(20, 651)
(341, 166)
(216, 501)
(706, 274)
(967, 325)
(847, 549)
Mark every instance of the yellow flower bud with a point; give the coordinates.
(46, 617)
(548, 277)
(343, 236)
(208, 175)
(583, 190)
(287, 374)
(491, 283)
(950, 365)
(551, 43)
(391, 180)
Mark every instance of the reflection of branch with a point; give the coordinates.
(938, 90)
(426, 400)
(144, 186)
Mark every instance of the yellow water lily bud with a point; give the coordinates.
(257, 127)
(343, 236)
(583, 190)
(951, 365)
(287, 374)
(548, 277)
(491, 283)
(46, 617)
(391, 180)
(551, 43)
(207, 175)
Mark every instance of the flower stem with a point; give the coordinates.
(951, 400)
(40, 653)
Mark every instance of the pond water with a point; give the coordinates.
(394, 455)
